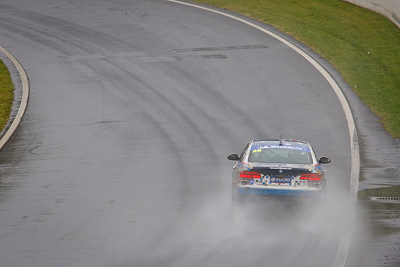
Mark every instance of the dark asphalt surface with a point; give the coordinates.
(120, 159)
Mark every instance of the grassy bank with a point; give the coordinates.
(6, 95)
(362, 45)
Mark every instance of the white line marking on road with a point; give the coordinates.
(24, 100)
(344, 245)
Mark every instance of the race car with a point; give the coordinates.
(278, 169)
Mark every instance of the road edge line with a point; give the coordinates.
(24, 101)
(345, 240)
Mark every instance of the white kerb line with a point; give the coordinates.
(24, 100)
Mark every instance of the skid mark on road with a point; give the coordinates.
(222, 48)
(143, 58)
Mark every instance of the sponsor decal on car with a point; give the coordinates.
(256, 149)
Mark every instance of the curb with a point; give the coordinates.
(24, 101)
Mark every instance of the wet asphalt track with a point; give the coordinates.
(120, 159)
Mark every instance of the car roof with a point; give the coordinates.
(287, 142)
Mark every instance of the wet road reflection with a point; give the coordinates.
(377, 229)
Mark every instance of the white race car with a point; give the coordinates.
(277, 168)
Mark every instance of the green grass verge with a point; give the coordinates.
(6, 95)
(362, 45)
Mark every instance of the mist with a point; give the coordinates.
(213, 232)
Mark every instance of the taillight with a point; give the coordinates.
(310, 177)
(250, 175)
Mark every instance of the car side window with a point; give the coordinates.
(244, 152)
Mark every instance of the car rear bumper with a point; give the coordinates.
(279, 192)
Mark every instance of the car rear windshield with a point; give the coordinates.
(280, 154)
